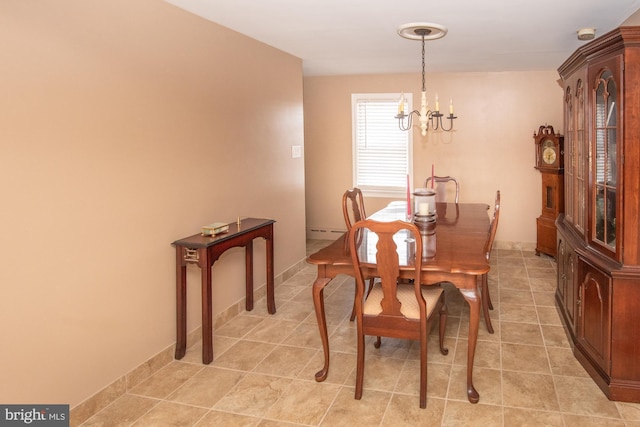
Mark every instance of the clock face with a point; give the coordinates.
(549, 155)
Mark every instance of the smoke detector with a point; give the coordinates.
(586, 33)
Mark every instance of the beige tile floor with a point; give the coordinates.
(263, 371)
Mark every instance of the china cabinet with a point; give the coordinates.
(598, 241)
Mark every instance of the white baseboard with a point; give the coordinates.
(324, 233)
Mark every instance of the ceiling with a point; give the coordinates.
(360, 36)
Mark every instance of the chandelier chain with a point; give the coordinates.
(423, 78)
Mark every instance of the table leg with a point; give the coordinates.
(181, 305)
(248, 251)
(318, 304)
(207, 314)
(473, 298)
(271, 300)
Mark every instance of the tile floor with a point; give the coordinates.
(263, 371)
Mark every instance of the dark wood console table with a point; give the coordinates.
(203, 251)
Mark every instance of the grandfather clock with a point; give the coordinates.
(550, 163)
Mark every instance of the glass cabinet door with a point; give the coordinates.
(576, 158)
(569, 155)
(581, 161)
(605, 161)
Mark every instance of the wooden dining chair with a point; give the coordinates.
(392, 309)
(353, 211)
(441, 183)
(491, 235)
(353, 207)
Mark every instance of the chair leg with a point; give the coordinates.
(489, 296)
(423, 371)
(378, 342)
(486, 302)
(443, 325)
(360, 366)
(353, 310)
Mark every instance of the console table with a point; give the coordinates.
(203, 251)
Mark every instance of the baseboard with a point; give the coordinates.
(523, 246)
(103, 398)
(324, 233)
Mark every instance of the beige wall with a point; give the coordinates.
(634, 19)
(125, 125)
(492, 147)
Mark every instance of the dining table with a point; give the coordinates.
(453, 251)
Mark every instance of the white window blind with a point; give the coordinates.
(381, 151)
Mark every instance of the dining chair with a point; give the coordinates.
(353, 207)
(491, 235)
(353, 211)
(393, 308)
(441, 183)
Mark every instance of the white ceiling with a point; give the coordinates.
(360, 36)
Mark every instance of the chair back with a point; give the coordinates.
(493, 227)
(387, 263)
(353, 207)
(441, 184)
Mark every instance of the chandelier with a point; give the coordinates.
(429, 119)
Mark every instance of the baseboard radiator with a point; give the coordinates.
(324, 233)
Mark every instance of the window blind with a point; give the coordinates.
(381, 150)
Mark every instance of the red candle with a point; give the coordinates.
(432, 175)
(408, 199)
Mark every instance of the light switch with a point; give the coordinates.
(296, 151)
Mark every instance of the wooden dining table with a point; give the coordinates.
(456, 255)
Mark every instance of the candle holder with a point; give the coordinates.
(424, 205)
(427, 231)
(428, 120)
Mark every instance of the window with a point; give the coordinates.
(381, 151)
